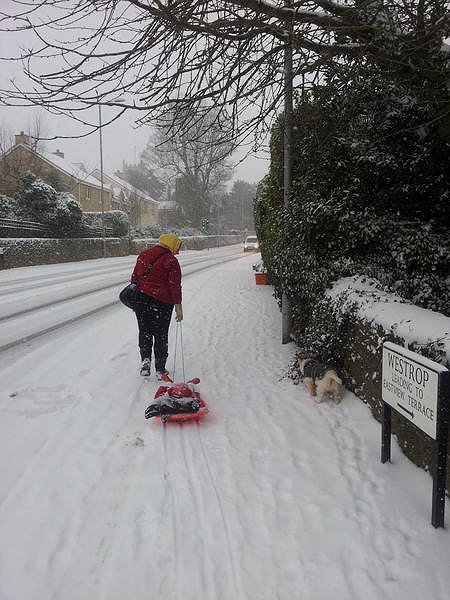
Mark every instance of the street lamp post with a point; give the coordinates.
(102, 202)
(287, 159)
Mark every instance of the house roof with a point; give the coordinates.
(75, 170)
(122, 184)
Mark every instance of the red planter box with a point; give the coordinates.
(261, 279)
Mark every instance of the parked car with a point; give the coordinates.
(251, 244)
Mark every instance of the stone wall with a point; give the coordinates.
(200, 242)
(24, 252)
(363, 368)
(362, 338)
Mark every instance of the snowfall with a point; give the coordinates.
(270, 496)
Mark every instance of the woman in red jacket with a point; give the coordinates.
(157, 275)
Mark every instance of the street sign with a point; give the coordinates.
(419, 390)
(410, 385)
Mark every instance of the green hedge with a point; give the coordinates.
(369, 198)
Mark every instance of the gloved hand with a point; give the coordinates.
(178, 312)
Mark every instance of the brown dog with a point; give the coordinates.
(320, 380)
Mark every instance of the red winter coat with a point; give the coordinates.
(163, 280)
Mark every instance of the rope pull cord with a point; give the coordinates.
(180, 329)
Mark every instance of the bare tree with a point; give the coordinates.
(16, 164)
(35, 131)
(167, 56)
(6, 138)
(144, 176)
(196, 159)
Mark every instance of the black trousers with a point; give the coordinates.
(153, 319)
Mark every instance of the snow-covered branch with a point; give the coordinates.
(154, 56)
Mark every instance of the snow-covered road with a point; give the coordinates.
(270, 497)
(34, 303)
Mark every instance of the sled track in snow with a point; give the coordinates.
(238, 592)
(136, 464)
(200, 509)
(95, 300)
(196, 505)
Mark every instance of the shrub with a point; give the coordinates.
(117, 220)
(369, 197)
(38, 201)
(147, 231)
(64, 218)
(8, 207)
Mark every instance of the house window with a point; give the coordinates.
(88, 193)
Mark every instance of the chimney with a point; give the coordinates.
(22, 138)
(59, 153)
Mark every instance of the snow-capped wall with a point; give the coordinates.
(378, 317)
(23, 252)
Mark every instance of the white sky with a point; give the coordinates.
(121, 141)
(271, 496)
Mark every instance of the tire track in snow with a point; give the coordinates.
(59, 314)
(16, 285)
(229, 546)
(200, 509)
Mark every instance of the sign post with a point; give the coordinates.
(386, 433)
(418, 389)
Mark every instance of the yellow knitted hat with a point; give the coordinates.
(170, 241)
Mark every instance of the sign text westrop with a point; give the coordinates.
(409, 379)
(411, 387)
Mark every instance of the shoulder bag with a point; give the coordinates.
(130, 296)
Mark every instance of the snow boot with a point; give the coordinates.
(145, 367)
(163, 375)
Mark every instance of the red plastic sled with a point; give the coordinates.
(182, 417)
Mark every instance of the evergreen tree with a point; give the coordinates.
(144, 176)
(370, 192)
(38, 201)
(238, 206)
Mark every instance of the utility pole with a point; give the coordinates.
(287, 159)
(102, 201)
